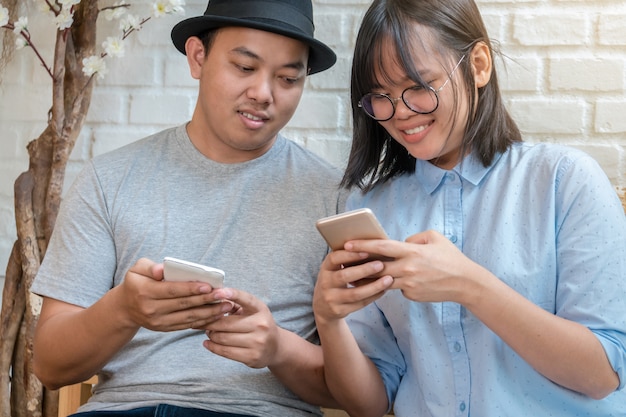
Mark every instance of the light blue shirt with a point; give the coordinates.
(546, 221)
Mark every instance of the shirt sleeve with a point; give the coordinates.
(591, 256)
(80, 261)
(377, 341)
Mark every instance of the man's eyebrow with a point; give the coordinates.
(242, 50)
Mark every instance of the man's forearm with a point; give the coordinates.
(301, 369)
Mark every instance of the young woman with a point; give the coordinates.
(505, 292)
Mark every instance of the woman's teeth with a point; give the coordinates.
(415, 130)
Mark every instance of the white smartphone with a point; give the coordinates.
(179, 270)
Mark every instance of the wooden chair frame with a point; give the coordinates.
(73, 396)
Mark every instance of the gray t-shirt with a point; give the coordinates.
(161, 197)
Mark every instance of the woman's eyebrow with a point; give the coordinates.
(424, 72)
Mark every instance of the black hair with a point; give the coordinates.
(455, 27)
(207, 39)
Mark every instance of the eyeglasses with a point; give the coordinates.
(421, 100)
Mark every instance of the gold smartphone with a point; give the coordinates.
(351, 225)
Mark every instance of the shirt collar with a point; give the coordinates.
(470, 169)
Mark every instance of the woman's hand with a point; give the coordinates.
(427, 267)
(341, 290)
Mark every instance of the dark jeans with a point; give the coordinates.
(162, 410)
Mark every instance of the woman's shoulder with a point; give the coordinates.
(554, 156)
(546, 151)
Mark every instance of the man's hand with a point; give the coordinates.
(148, 301)
(248, 334)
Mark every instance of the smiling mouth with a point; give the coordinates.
(416, 130)
(251, 116)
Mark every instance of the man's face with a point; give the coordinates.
(251, 82)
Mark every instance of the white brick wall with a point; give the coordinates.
(564, 81)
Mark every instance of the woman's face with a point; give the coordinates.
(434, 137)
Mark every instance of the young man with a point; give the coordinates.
(225, 190)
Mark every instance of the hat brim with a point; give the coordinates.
(321, 57)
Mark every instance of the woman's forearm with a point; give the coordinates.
(564, 351)
(352, 377)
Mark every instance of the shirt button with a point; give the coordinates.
(462, 406)
(453, 239)
(457, 347)
(450, 176)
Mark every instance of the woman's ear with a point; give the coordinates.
(194, 49)
(480, 59)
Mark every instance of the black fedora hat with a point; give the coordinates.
(292, 18)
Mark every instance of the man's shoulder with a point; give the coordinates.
(144, 147)
(309, 160)
(137, 160)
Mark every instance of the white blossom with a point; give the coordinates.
(177, 6)
(4, 15)
(113, 47)
(116, 11)
(68, 3)
(159, 8)
(20, 43)
(162, 7)
(129, 22)
(20, 25)
(94, 65)
(64, 19)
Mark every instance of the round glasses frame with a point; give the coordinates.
(425, 94)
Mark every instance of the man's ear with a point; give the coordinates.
(480, 59)
(195, 56)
